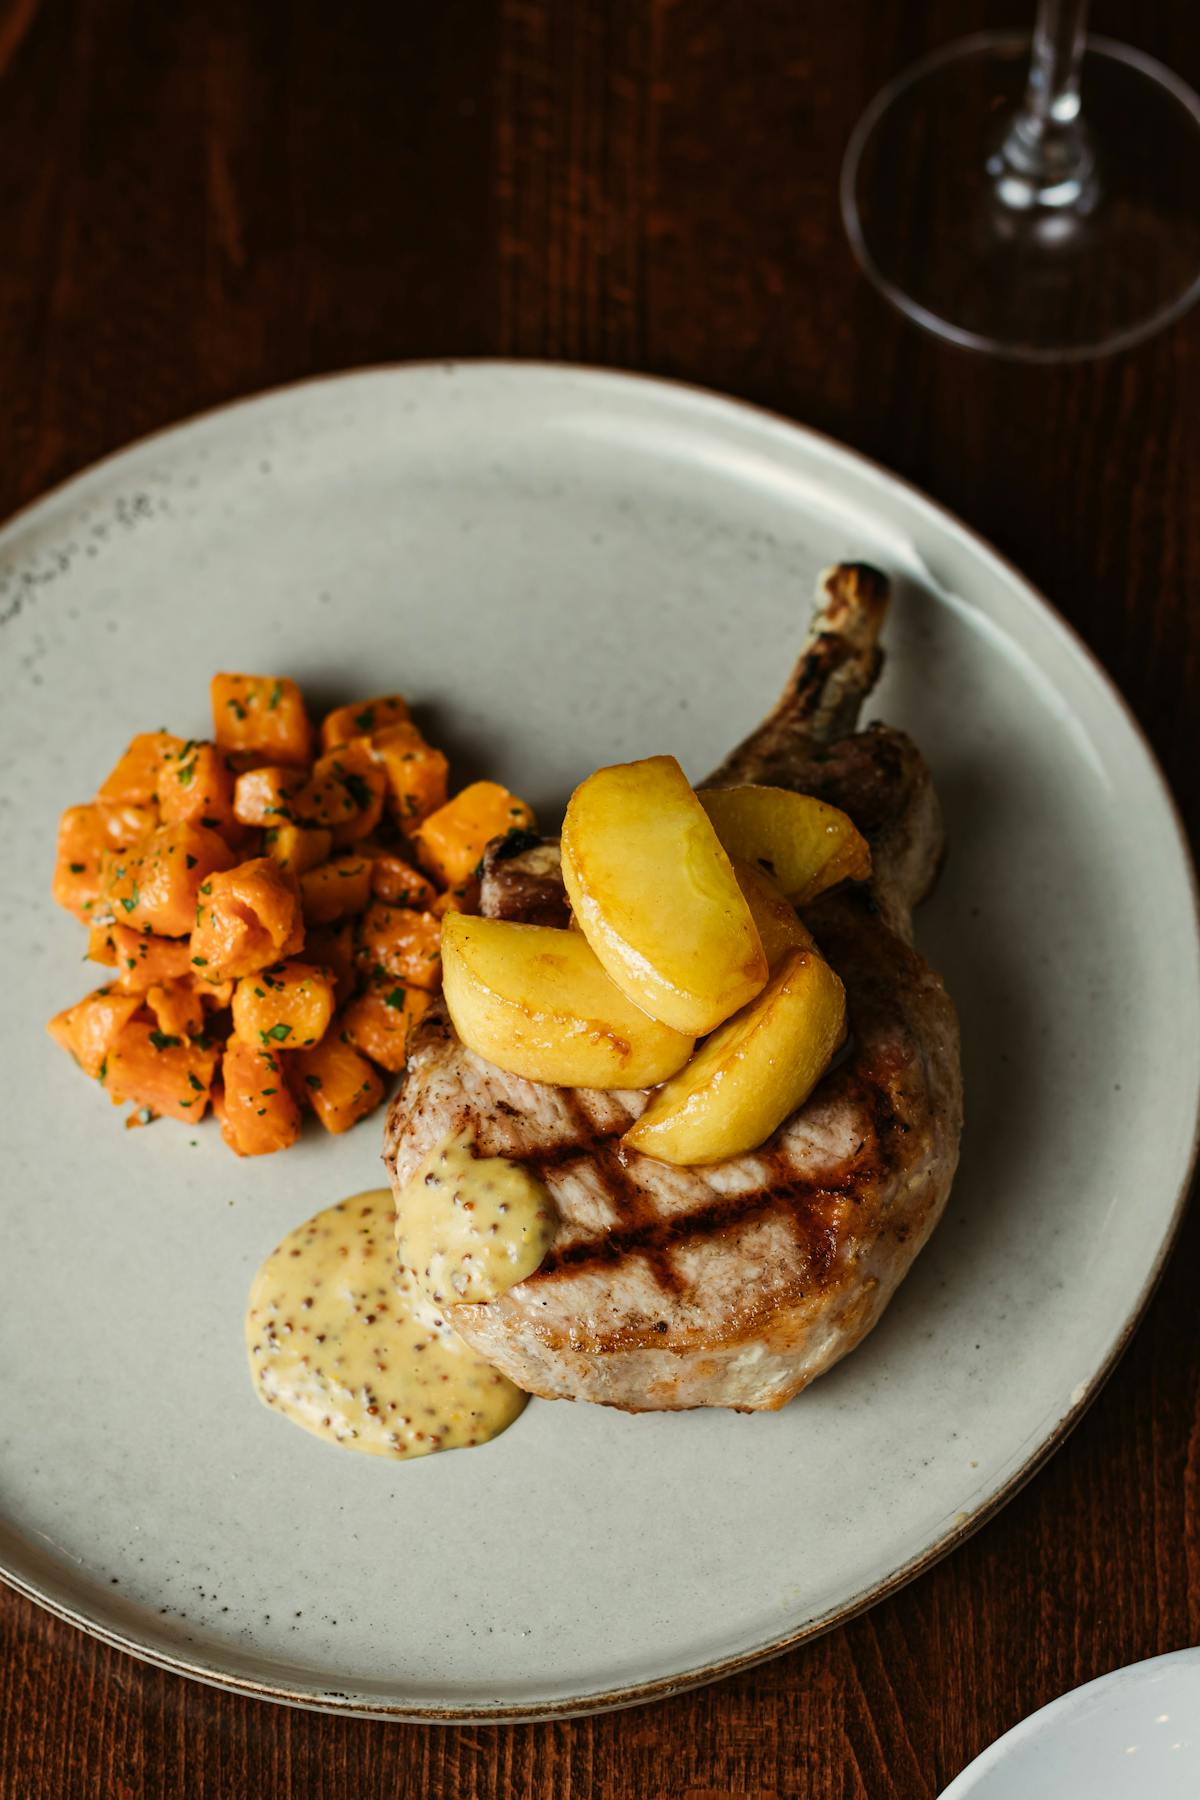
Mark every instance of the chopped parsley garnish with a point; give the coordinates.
(162, 1040)
(278, 1032)
(132, 900)
(395, 998)
(192, 860)
(201, 962)
(365, 720)
(313, 1081)
(192, 1082)
(276, 696)
(358, 789)
(77, 868)
(184, 775)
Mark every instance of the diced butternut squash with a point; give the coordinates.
(156, 882)
(257, 1111)
(125, 822)
(363, 779)
(338, 1082)
(464, 899)
(332, 947)
(417, 774)
(749, 1076)
(140, 958)
(263, 715)
(536, 1001)
(288, 1005)
(397, 882)
(396, 944)
(804, 844)
(246, 919)
(336, 889)
(176, 1008)
(136, 777)
(378, 1023)
(297, 847)
(160, 1072)
(264, 796)
(775, 918)
(78, 863)
(451, 842)
(656, 897)
(91, 1027)
(195, 787)
(362, 719)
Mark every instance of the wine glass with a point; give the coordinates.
(1041, 204)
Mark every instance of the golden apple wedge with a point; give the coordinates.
(656, 897)
(805, 845)
(535, 1001)
(776, 920)
(752, 1073)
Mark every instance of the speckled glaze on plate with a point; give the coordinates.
(562, 568)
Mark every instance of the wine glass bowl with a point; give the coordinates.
(1042, 222)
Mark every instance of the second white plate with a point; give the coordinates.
(561, 568)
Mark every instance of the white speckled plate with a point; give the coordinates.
(561, 568)
(1132, 1735)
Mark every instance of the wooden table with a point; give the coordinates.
(208, 197)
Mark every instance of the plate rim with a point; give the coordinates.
(663, 1687)
(991, 1756)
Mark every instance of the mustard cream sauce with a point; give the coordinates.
(349, 1322)
(346, 1345)
(468, 1228)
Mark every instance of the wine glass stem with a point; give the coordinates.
(1046, 158)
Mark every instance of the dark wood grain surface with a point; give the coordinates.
(207, 197)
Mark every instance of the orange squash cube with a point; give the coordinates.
(176, 1008)
(398, 945)
(336, 889)
(135, 779)
(195, 787)
(338, 1082)
(332, 947)
(125, 821)
(161, 1072)
(79, 859)
(246, 919)
(297, 847)
(287, 1006)
(451, 842)
(140, 958)
(379, 1023)
(91, 1027)
(156, 882)
(264, 796)
(256, 1108)
(397, 882)
(463, 899)
(362, 719)
(416, 773)
(262, 715)
(353, 765)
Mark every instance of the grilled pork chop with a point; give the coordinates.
(734, 1285)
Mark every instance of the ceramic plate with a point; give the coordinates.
(562, 568)
(1130, 1734)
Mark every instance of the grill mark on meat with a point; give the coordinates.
(633, 1207)
(645, 1233)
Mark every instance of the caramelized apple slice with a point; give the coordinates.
(803, 844)
(776, 920)
(535, 1001)
(759, 1067)
(656, 897)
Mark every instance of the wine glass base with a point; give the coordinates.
(951, 245)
